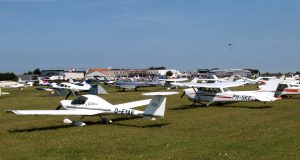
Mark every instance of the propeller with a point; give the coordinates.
(67, 96)
(182, 94)
(58, 107)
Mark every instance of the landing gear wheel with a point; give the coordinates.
(106, 121)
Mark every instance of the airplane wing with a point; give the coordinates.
(77, 112)
(45, 89)
(174, 80)
(134, 104)
(213, 85)
(127, 86)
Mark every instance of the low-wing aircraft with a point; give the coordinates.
(91, 105)
(167, 82)
(85, 87)
(180, 84)
(217, 79)
(44, 83)
(122, 85)
(219, 92)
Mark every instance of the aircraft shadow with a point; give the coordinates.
(248, 107)
(88, 123)
(186, 107)
(39, 129)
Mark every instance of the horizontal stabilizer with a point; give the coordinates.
(133, 104)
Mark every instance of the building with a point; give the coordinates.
(76, 75)
(230, 72)
(29, 78)
(62, 74)
(225, 72)
(112, 73)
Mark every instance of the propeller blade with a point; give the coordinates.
(67, 96)
(58, 107)
(182, 94)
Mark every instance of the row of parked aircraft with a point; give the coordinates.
(206, 93)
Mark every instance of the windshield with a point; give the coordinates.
(226, 89)
(79, 100)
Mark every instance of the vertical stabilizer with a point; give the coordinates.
(97, 89)
(267, 91)
(195, 80)
(215, 77)
(156, 107)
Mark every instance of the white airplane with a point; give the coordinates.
(217, 79)
(287, 88)
(219, 92)
(69, 86)
(180, 84)
(91, 105)
(167, 82)
(44, 83)
(293, 78)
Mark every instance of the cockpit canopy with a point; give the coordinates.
(79, 101)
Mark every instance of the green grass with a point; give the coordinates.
(234, 131)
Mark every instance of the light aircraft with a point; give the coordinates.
(91, 105)
(69, 86)
(44, 83)
(217, 79)
(219, 92)
(167, 82)
(179, 84)
(135, 85)
(287, 88)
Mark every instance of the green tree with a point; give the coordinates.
(37, 71)
(8, 76)
(169, 73)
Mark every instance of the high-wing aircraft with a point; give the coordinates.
(287, 88)
(219, 92)
(91, 105)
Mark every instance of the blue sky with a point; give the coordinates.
(185, 35)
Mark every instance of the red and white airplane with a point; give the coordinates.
(219, 92)
(287, 88)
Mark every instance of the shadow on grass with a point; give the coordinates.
(39, 129)
(186, 107)
(160, 125)
(247, 107)
(88, 123)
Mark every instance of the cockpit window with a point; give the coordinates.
(225, 90)
(79, 100)
(282, 86)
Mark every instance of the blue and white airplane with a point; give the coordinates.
(122, 85)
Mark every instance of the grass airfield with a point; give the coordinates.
(245, 130)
